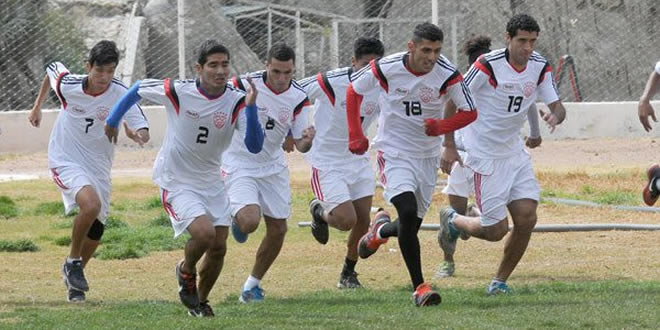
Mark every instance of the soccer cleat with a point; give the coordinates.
(73, 275)
(349, 281)
(446, 238)
(651, 193)
(255, 294)
(239, 236)
(187, 287)
(319, 226)
(76, 296)
(447, 269)
(497, 287)
(425, 296)
(370, 242)
(203, 310)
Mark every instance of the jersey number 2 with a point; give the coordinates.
(203, 135)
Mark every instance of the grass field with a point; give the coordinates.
(566, 280)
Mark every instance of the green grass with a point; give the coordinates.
(21, 245)
(591, 194)
(50, 208)
(8, 207)
(127, 242)
(609, 304)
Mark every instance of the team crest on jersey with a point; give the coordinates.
(102, 113)
(77, 109)
(401, 91)
(219, 119)
(192, 114)
(283, 115)
(528, 88)
(369, 108)
(426, 94)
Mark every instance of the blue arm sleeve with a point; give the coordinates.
(126, 102)
(254, 135)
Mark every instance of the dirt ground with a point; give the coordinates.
(604, 154)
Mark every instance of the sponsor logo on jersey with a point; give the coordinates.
(102, 113)
(529, 88)
(508, 87)
(283, 115)
(426, 94)
(192, 114)
(219, 119)
(369, 108)
(401, 91)
(77, 109)
(262, 110)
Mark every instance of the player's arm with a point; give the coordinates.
(548, 94)
(449, 152)
(35, 114)
(534, 139)
(136, 126)
(302, 133)
(128, 100)
(644, 108)
(254, 134)
(464, 112)
(363, 81)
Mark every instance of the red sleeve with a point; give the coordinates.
(353, 103)
(459, 120)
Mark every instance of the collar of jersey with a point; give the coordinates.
(206, 94)
(405, 64)
(506, 56)
(271, 89)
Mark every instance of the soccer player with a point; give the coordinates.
(504, 82)
(460, 182)
(202, 115)
(342, 182)
(413, 87)
(651, 190)
(79, 157)
(259, 184)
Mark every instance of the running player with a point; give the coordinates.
(413, 88)
(651, 190)
(79, 157)
(202, 116)
(504, 82)
(460, 183)
(259, 184)
(342, 182)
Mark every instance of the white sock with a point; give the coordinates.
(250, 283)
(70, 260)
(657, 184)
(378, 232)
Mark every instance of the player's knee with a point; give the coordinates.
(96, 230)
(205, 238)
(217, 251)
(277, 229)
(90, 207)
(406, 206)
(525, 223)
(248, 218)
(497, 232)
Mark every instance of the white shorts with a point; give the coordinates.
(184, 206)
(461, 181)
(338, 185)
(416, 175)
(271, 191)
(498, 182)
(70, 179)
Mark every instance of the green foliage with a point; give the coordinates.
(161, 220)
(135, 242)
(113, 222)
(49, 208)
(21, 245)
(63, 241)
(8, 207)
(153, 203)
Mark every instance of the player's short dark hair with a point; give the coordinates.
(522, 22)
(104, 52)
(367, 46)
(427, 31)
(475, 47)
(210, 47)
(281, 52)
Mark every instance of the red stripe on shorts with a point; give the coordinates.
(57, 180)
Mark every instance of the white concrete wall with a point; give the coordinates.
(584, 120)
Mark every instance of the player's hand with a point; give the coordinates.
(111, 133)
(549, 119)
(448, 158)
(251, 97)
(645, 110)
(533, 142)
(35, 117)
(309, 133)
(432, 127)
(140, 136)
(358, 145)
(288, 144)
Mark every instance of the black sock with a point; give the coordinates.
(390, 229)
(349, 266)
(406, 206)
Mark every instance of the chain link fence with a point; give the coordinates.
(611, 44)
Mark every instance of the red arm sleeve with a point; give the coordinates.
(462, 118)
(357, 142)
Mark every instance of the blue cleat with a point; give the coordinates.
(497, 287)
(255, 294)
(239, 236)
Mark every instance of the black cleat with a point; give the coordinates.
(203, 310)
(187, 287)
(73, 275)
(319, 226)
(349, 281)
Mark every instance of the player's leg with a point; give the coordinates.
(209, 271)
(348, 277)
(245, 207)
(332, 205)
(651, 190)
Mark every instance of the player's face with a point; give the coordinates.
(279, 74)
(100, 76)
(363, 61)
(213, 74)
(423, 54)
(521, 46)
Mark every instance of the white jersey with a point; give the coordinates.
(330, 147)
(199, 130)
(278, 113)
(407, 99)
(78, 136)
(503, 96)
